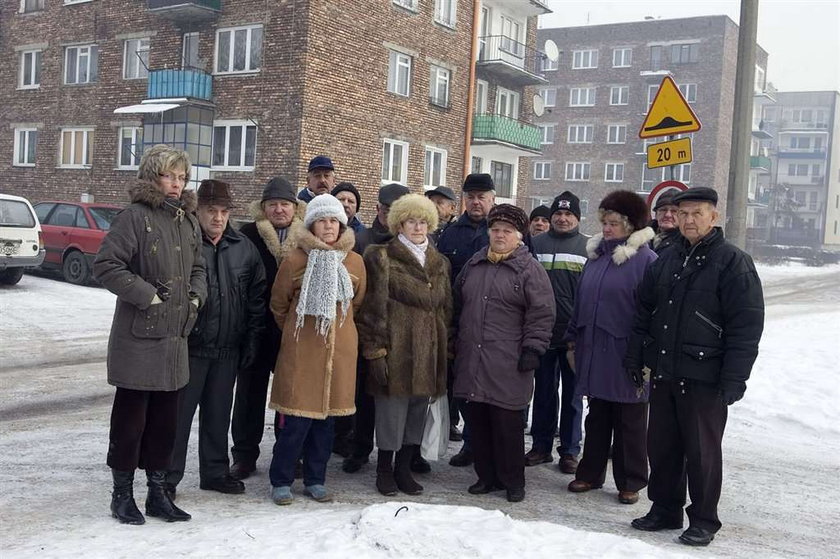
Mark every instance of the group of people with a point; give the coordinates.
(363, 329)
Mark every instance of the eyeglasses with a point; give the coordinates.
(174, 178)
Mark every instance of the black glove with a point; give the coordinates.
(729, 396)
(378, 369)
(636, 376)
(529, 360)
(248, 356)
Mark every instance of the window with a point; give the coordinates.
(26, 140)
(689, 91)
(797, 170)
(768, 114)
(30, 69)
(81, 64)
(577, 171)
(802, 115)
(502, 174)
(800, 142)
(812, 201)
(27, 6)
(614, 172)
(652, 89)
(549, 96)
(759, 79)
(410, 4)
(445, 12)
(435, 170)
(580, 133)
(480, 97)
(547, 133)
(399, 73)
(394, 161)
(476, 163)
(582, 97)
(439, 86)
(815, 170)
(76, 147)
(656, 58)
(548, 64)
(542, 170)
(189, 51)
(616, 133)
(682, 173)
(234, 144)
(511, 37)
(136, 58)
(239, 49)
(507, 103)
(130, 147)
(622, 58)
(619, 95)
(684, 54)
(584, 59)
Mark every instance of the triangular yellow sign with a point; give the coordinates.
(669, 113)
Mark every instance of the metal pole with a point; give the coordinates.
(739, 161)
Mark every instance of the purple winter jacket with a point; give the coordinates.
(603, 316)
(499, 310)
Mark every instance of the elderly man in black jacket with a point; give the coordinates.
(697, 328)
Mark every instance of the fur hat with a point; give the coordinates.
(540, 211)
(414, 206)
(351, 188)
(509, 214)
(214, 193)
(566, 201)
(630, 205)
(322, 206)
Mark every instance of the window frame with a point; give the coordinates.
(590, 128)
(449, 19)
(23, 10)
(543, 175)
(546, 93)
(87, 139)
(513, 102)
(403, 164)
(187, 41)
(92, 65)
(428, 172)
(579, 56)
(585, 169)
(549, 65)
(621, 51)
(437, 74)
(544, 133)
(228, 124)
(25, 152)
(593, 90)
(686, 89)
(37, 57)
(618, 128)
(141, 70)
(407, 4)
(693, 53)
(616, 166)
(137, 147)
(231, 48)
(503, 189)
(394, 73)
(625, 89)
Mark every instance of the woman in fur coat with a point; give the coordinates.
(598, 333)
(403, 328)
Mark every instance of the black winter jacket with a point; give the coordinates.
(664, 239)
(460, 240)
(376, 234)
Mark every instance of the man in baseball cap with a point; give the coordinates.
(320, 178)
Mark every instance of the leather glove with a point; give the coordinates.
(636, 376)
(529, 360)
(730, 396)
(248, 356)
(378, 369)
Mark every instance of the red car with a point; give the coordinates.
(72, 234)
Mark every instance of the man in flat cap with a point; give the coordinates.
(446, 203)
(665, 221)
(320, 178)
(699, 320)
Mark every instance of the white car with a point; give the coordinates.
(21, 245)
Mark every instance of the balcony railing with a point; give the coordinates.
(192, 83)
(185, 11)
(497, 128)
(759, 162)
(515, 61)
(802, 153)
(797, 125)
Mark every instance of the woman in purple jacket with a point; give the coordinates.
(598, 333)
(504, 313)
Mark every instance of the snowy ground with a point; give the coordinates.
(780, 495)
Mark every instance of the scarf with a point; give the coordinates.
(325, 283)
(496, 257)
(418, 251)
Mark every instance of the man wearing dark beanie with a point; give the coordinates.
(349, 196)
(539, 221)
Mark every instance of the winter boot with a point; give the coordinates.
(123, 507)
(158, 502)
(402, 472)
(385, 483)
(419, 465)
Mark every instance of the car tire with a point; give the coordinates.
(75, 268)
(11, 276)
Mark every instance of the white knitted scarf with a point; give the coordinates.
(419, 251)
(325, 283)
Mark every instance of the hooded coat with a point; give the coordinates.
(152, 247)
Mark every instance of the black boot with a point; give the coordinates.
(385, 483)
(419, 465)
(123, 507)
(158, 502)
(402, 472)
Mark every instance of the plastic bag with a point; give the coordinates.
(436, 430)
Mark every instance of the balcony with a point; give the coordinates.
(760, 163)
(763, 130)
(511, 61)
(805, 126)
(801, 153)
(497, 129)
(185, 12)
(175, 84)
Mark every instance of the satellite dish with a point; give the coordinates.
(539, 105)
(551, 50)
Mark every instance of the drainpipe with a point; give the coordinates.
(471, 91)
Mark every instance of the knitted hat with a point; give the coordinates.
(214, 193)
(540, 211)
(478, 181)
(414, 206)
(666, 199)
(351, 188)
(630, 205)
(323, 206)
(509, 214)
(390, 193)
(698, 194)
(566, 201)
(279, 188)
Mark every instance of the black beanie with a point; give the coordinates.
(566, 201)
(540, 211)
(348, 187)
(279, 188)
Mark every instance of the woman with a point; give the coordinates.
(504, 307)
(403, 333)
(319, 286)
(598, 332)
(151, 259)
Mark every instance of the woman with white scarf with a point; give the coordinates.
(403, 327)
(319, 286)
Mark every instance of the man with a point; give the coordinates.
(378, 232)
(224, 340)
(699, 320)
(320, 178)
(539, 221)
(349, 196)
(273, 214)
(445, 201)
(562, 252)
(665, 224)
(458, 242)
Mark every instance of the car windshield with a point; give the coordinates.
(104, 216)
(15, 214)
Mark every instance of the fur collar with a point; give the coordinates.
(623, 252)
(267, 232)
(302, 238)
(147, 193)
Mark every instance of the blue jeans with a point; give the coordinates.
(312, 438)
(553, 371)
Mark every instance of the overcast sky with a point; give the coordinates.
(802, 37)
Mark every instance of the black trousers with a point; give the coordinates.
(625, 427)
(497, 443)
(142, 429)
(248, 424)
(687, 421)
(364, 421)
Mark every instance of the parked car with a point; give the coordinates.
(73, 232)
(21, 244)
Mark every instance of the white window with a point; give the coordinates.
(800, 142)
(616, 133)
(542, 170)
(445, 12)
(682, 173)
(239, 49)
(759, 79)
(26, 140)
(549, 96)
(797, 170)
(30, 69)
(434, 174)
(547, 133)
(507, 103)
(583, 59)
(548, 64)
(399, 73)
(136, 58)
(410, 4)
(439, 86)
(580, 133)
(234, 144)
(27, 6)
(577, 171)
(582, 97)
(619, 95)
(480, 97)
(130, 147)
(394, 161)
(511, 41)
(689, 91)
(81, 64)
(76, 148)
(652, 89)
(623, 57)
(768, 114)
(189, 50)
(614, 172)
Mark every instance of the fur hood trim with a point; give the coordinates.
(147, 193)
(267, 231)
(623, 252)
(302, 238)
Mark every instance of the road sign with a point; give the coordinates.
(661, 189)
(669, 113)
(673, 152)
